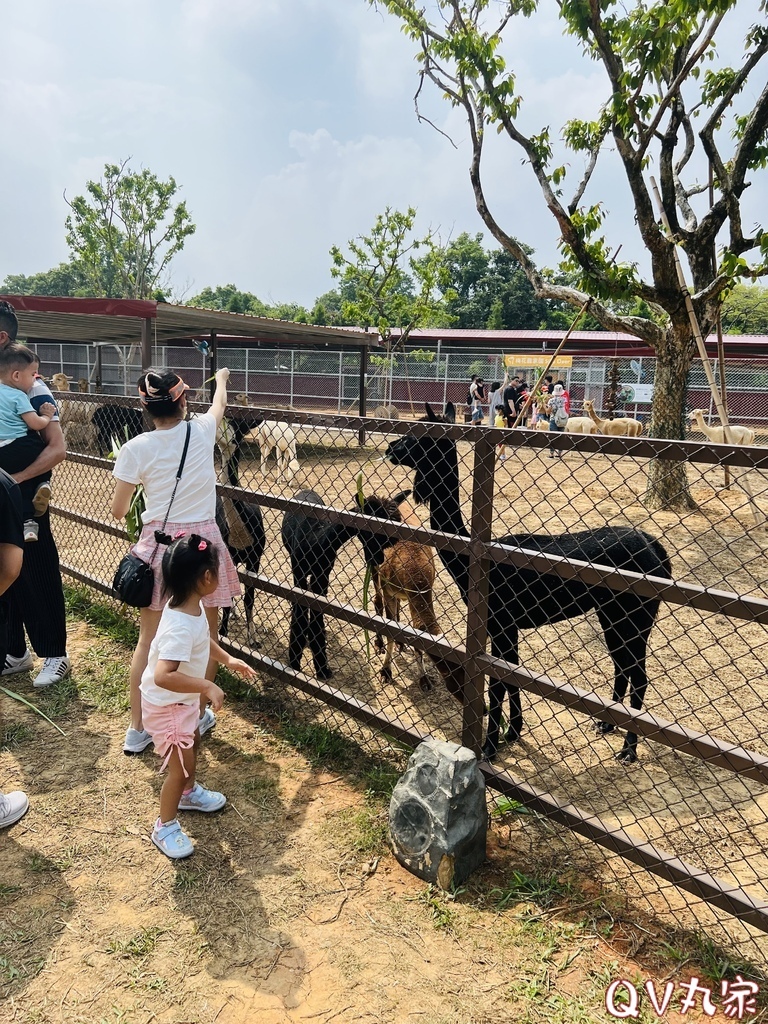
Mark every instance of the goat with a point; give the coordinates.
(736, 434)
(280, 438)
(75, 417)
(241, 522)
(525, 598)
(312, 545)
(403, 570)
(624, 427)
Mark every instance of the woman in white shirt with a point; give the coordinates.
(152, 460)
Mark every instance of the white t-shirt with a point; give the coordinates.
(183, 638)
(152, 459)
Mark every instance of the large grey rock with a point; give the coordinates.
(437, 815)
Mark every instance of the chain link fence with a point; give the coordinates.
(399, 385)
(541, 547)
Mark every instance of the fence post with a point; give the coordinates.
(363, 392)
(477, 599)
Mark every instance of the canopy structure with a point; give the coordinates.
(149, 323)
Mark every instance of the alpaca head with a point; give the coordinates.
(433, 458)
(83, 385)
(60, 382)
(374, 544)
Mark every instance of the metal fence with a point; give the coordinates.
(597, 585)
(310, 380)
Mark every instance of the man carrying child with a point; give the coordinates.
(20, 444)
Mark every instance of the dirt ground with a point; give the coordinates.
(706, 671)
(291, 910)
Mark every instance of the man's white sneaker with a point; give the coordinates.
(207, 722)
(201, 799)
(22, 664)
(13, 807)
(53, 670)
(171, 840)
(136, 740)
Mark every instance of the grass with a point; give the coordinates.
(549, 910)
(139, 946)
(14, 734)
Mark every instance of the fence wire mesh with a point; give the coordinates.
(399, 385)
(597, 585)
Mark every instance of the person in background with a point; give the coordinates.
(510, 399)
(566, 395)
(477, 394)
(13, 805)
(558, 417)
(36, 599)
(547, 387)
(496, 399)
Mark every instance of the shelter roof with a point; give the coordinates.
(583, 343)
(119, 321)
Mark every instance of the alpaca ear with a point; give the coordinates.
(401, 497)
(450, 413)
(431, 414)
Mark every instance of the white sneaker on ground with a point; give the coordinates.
(207, 722)
(22, 664)
(170, 839)
(31, 530)
(13, 807)
(201, 799)
(42, 498)
(53, 670)
(136, 740)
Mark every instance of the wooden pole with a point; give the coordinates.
(555, 354)
(719, 323)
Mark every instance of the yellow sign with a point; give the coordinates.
(526, 362)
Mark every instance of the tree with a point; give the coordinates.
(65, 279)
(229, 298)
(385, 285)
(745, 311)
(664, 113)
(489, 288)
(124, 233)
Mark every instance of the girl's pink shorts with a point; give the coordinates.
(170, 726)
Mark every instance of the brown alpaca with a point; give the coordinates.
(404, 570)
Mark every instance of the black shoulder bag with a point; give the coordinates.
(135, 578)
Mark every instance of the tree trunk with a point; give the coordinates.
(667, 480)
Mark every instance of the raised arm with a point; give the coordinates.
(219, 403)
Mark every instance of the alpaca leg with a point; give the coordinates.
(378, 604)
(628, 654)
(316, 635)
(391, 608)
(248, 602)
(224, 627)
(503, 646)
(299, 634)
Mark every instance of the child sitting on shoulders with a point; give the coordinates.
(20, 444)
(173, 682)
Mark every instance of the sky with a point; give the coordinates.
(289, 124)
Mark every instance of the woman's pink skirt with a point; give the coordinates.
(229, 584)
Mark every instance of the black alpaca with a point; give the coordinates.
(249, 554)
(524, 598)
(312, 545)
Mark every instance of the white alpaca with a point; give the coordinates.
(580, 425)
(280, 438)
(736, 434)
(625, 427)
